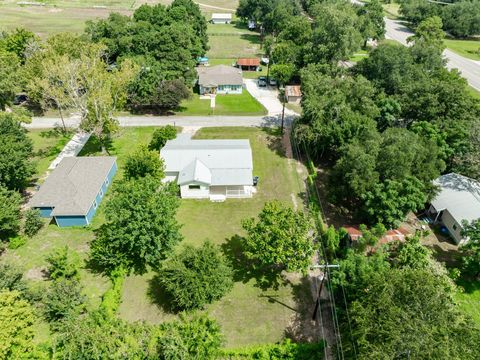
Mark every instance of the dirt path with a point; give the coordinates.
(214, 7)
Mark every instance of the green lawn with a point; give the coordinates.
(248, 314)
(467, 48)
(392, 10)
(475, 93)
(245, 74)
(244, 104)
(47, 144)
(231, 41)
(469, 300)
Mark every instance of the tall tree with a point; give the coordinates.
(471, 249)
(140, 228)
(9, 77)
(16, 148)
(281, 238)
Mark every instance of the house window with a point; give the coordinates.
(194, 187)
(101, 192)
(107, 182)
(95, 205)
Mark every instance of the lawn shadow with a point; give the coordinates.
(469, 285)
(94, 147)
(302, 328)
(158, 296)
(252, 38)
(244, 270)
(275, 140)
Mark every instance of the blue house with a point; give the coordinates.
(73, 191)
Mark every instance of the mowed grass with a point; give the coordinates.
(231, 41)
(467, 48)
(47, 144)
(469, 300)
(248, 314)
(392, 10)
(231, 104)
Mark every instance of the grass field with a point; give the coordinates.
(47, 144)
(469, 300)
(392, 10)
(231, 41)
(242, 104)
(467, 48)
(248, 314)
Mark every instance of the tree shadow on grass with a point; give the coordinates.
(275, 140)
(157, 295)
(244, 270)
(94, 147)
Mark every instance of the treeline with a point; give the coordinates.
(399, 303)
(460, 19)
(389, 126)
(319, 33)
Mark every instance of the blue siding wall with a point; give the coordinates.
(87, 219)
(45, 211)
(63, 221)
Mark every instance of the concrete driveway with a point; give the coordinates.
(267, 96)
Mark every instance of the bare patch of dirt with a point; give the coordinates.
(40, 273)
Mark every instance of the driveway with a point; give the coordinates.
(267, 96)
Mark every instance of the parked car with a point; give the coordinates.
(273, 82)
(252, 25)
(262, 81)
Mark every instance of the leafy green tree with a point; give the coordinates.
(160, 137)
(372, 24)
(140, 229)
(281, 238)
(11, 278)
(144, 162)
(16, 148)
(335, 32)
(17, 42)
(412, 254)
(389, 202)
(63, 264)
(16, 326)
(428, 43)
(63, 300)
(471, 248)
(415, 11)
(388, 320)
(33, 222)
(196, 276)
(461, 19)
(9, 213)
(194, 337)
(9, 77)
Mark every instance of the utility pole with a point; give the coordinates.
(322, 278)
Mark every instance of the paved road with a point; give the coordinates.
(184, 121)
(469, 69)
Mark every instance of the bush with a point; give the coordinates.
(63, 300)
(9, 213)
(112, 297)
(33, 222)
(161, 136)
(63, 264)
(283, 351)
(144, 162)
(11, 278)
(17, 241)
(196, 276)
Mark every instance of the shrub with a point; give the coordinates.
(196, 276)
(63, 264)
(283, 351)
(17, 241)
(144, 162)
(112, 297)
(9, 213)
(33, 222)
(11, 278)
(160, 137)
(63, 300)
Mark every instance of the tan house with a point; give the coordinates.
(293, 93)
(220, 79)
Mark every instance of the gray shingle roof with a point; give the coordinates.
(458, 194)
(229, 161)
(72, 187)
(219, 75)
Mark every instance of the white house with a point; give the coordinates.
(221, 18)
(209, 169)
(220, 79)
(458, 200)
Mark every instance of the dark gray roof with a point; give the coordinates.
(219, 75)
(72, 187)
(459, 195)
